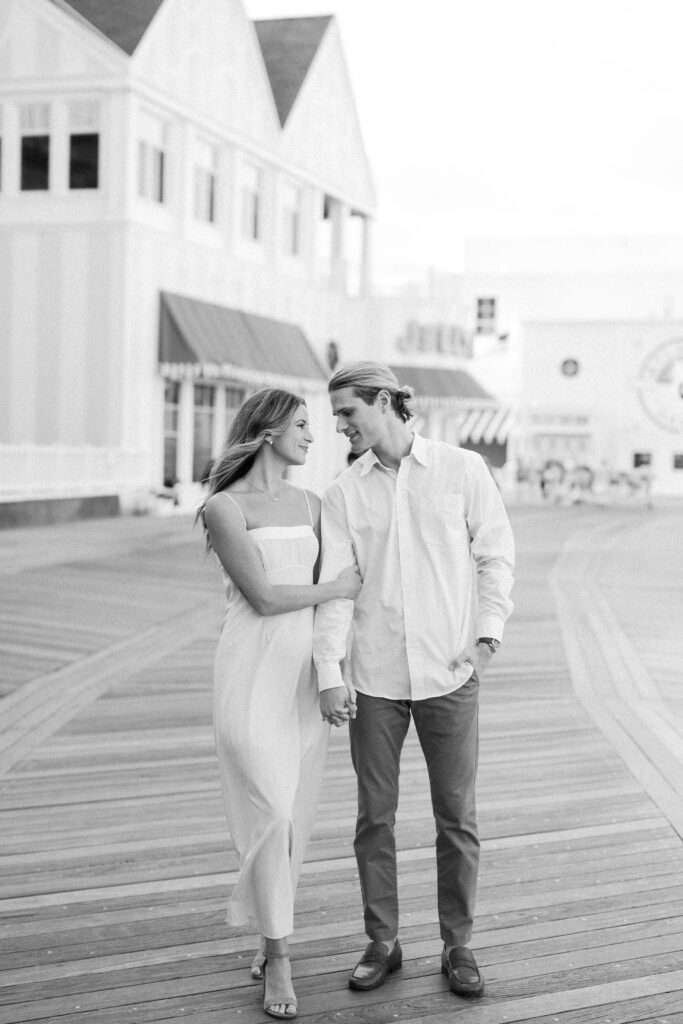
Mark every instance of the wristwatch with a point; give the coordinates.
(490, 642)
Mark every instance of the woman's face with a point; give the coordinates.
(293, 443)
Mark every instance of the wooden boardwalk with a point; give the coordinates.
(115, 860)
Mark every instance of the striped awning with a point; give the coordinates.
(484, 426)
(198, 338)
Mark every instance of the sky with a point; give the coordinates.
(513, 118)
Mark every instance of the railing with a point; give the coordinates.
(61, 471)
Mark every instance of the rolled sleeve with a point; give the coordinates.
(333, 618)
(493, 550)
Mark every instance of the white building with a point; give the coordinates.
(589, 335)
(185, 214)
(466, 381)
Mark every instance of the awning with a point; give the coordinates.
(475, 414)
(199, 338)
(440, 382)
(484, 426)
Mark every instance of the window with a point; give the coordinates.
(205, 183)
(486, 316)
(84, 160)
(204, 395)
(291, 219)
(171, 401)
(642, 459)
(204, 195)
(251, 203)
(150, 171)
(233, 400)
(34, 121)
(678, 460)
(84, 144)
(152, 158)
(35, 163)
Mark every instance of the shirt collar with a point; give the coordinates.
(366, 461)
(418, 450)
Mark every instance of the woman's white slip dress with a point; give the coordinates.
(270, 738)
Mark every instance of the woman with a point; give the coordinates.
(270, 738)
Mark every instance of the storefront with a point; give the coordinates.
(452, 406)
(211, 358)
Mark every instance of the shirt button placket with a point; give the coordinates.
(408, 580)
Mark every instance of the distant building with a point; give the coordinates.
(185, 214)
(450, 405)
(588, 335)
(463, 397)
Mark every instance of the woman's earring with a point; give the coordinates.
(269, 440)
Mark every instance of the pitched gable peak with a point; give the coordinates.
(123, 22)
(289, 46)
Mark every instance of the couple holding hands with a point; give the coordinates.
(403, 573)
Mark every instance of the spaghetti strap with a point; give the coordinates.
(310, 514)
(235, 504)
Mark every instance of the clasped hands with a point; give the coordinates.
(338, 704)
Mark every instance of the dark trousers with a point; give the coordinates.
(447, 728)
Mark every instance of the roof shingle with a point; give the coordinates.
(124, 22)
(288, 46)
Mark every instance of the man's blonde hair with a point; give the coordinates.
(368, 378)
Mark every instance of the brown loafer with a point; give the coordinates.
(383, 963)
(462, 972)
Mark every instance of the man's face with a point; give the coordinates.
(363, 424)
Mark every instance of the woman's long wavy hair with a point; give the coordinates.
(268, 412)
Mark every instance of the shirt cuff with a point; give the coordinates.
(489, 625)
(329, 676)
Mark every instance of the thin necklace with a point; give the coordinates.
(262, 491)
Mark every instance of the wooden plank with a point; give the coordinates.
(118, 865)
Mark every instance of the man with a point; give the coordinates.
(427, 528)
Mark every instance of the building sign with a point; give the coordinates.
(561, 420)
(448, 339)
(660, 386)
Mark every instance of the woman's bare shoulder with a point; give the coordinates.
(224, 506)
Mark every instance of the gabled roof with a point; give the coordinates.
(288, 46)
(124, 22)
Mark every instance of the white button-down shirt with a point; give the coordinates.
(435, 552)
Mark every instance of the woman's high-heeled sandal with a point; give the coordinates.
(256, 969)
(287, 1000)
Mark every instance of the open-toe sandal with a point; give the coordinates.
(284, 999)
(256, 969)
